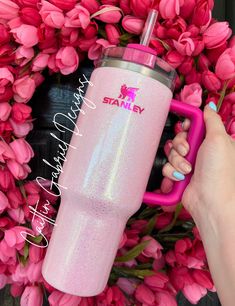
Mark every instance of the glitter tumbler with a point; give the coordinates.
(108, 167)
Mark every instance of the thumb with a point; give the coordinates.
(213, 121)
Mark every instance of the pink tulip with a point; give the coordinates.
(31, 16)
(171, 28)
(21, 129)
(92, 5)
(13, 237)
(203, 63)
(77, 17)
(211, 81)
(3, 280)
(67, 60)
(6, 179)
(153, 248)
(4, 34)
(187, 65)
(19, 171)
(34, 273)
(202, 13)
(144, 295)
(113, 33)
(8, 9)
(125, 6)
(185, 44)
(5, 110)
(16, 289)
(58, 298)
(133, 24)
(35, 254)
(216, 35)
(164, 219)
(91, 31)
(140, 8)
(192, 94)
(126, 285)
(164, 298)
(24, 55)
(40, 62)
(108, 14)
(174, 58)
(15, 197)
(156, 281)
(230, 126)
(169, 8)
(6, 77)
(23, 89)
(6, 54)
(38, 78)
(32, 295)
(194, 292)
(22, 150)
(214, 54)
(64, 5)
(187, 8)
(5, 151)
(199, 45)
(203, 278)
(29, 3)
(3, 202)
(47, 39)
(193, 77)
(26, 35)
(225, 67)
(97, 48)
(52, 15)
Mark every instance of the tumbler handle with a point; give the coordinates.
(195, 137)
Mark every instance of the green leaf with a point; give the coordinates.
(36, 239)
(126, 37)
(146, 213)
(133, 253)
(26, 250)
(150, 225)
(130, 272)
(171, 225)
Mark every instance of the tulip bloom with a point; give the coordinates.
(133, 24)
(216, 35)
(192, 94)
(67, 60)
(8, 9)
(169, 8)
(225, 66)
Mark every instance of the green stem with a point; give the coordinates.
(222, 95)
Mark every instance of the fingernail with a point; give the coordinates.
(179, 176)
(213, 106)
(185, 167)
(182, 149)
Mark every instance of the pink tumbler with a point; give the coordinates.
(106, 176)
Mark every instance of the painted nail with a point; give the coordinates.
(182, 150)
(213, 106)
(179, 176)
(185, 167)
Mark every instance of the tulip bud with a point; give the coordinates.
(133, 24)
(113, 33)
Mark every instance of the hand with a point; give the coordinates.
(210, 197)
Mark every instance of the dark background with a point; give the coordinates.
(55, 95)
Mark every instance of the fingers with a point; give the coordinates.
(214, 124)
(180, 143)
(178, 166)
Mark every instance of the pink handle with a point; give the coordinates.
(195, 137)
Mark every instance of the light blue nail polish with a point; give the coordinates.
(213, 106)
(179, 176)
